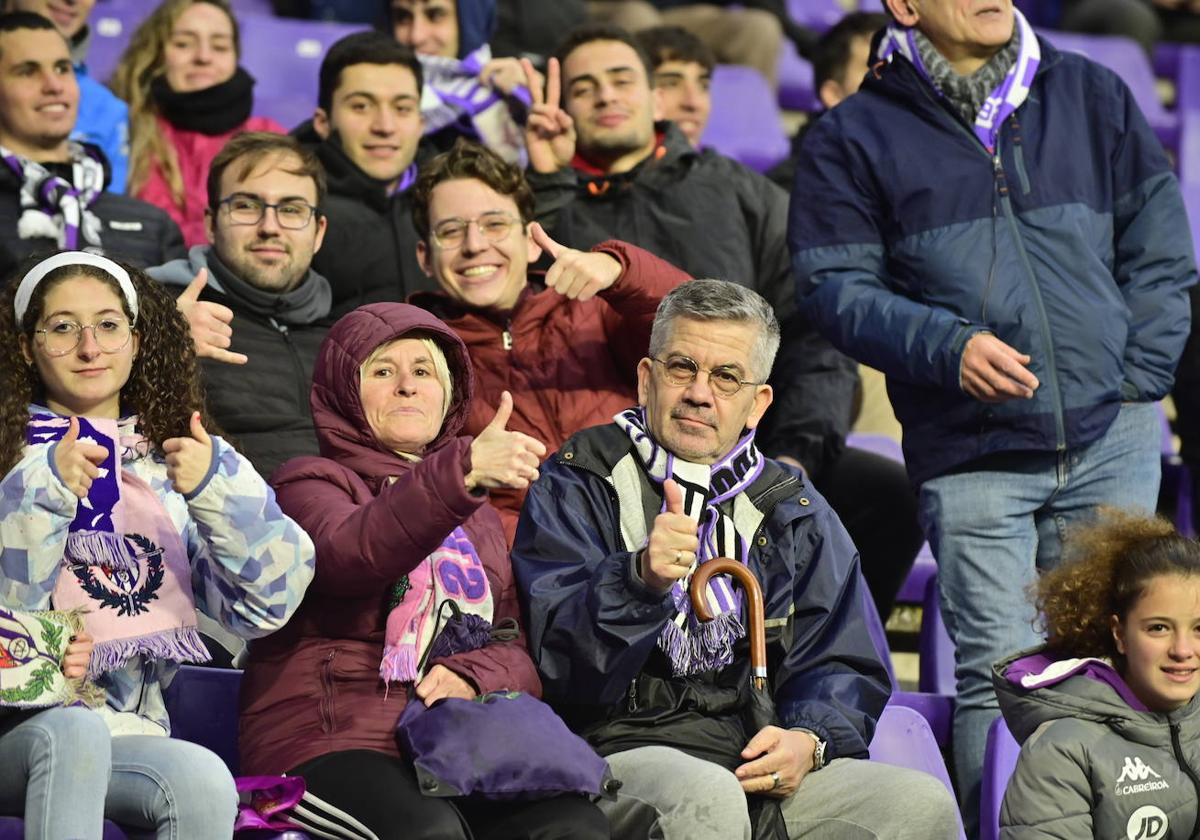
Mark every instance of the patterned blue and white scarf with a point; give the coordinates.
(1007, 96)
(692, 645)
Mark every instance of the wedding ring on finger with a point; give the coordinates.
(775, 780)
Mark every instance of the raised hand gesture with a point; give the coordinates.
(549, 130)
(188, 458)
(576, 275)
(78, 462)
(671, 550)
(500, 458)
(208, 322)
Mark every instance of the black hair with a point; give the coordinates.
(589, 32)
(674, 43)
(832, 55)
(362, 48)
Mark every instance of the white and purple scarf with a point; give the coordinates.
(1007, 96)
(125, 564)
(453, 572)
(453, 94)
(708, 492)
(54, 208)
(32, 647)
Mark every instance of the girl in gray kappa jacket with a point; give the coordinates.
(1106, 711)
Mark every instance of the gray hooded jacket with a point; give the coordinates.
(1090, 764)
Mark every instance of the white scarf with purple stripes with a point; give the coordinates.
(708, 492)
(52, 207)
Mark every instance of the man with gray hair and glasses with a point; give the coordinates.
(608, 539)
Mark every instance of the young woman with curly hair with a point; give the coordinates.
(187, 96)
(1106, 710)
(119, 504)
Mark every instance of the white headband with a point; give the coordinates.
(36, 274)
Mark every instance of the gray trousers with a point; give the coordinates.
(669, 795)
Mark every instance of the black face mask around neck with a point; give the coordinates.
(213, 110)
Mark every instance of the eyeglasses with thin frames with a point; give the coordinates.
(61, 337)
(450, 234)
(249, 210)
(682, 370)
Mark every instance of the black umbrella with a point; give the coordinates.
(758, 708)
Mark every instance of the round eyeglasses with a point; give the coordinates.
(681, 370)
(450, 234)
(61, 337)
(248, 210)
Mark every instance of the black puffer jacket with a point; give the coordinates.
(132, 231)
(370, 249)
(263, 405)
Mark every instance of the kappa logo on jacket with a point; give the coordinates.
(1138, 777)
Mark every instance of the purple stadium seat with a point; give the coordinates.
(13, 828)
(936, 664)
(903, 738)
(937, 709)
(746, 124)
(879, 637)
(1124, 57)
(796, 91)
(999, 761)
(112, 26)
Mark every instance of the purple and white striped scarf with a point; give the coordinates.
(454, 94)
(54, 208)
(692, 645)
(1007, 96)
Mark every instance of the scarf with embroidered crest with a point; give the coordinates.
(125, 563)
(1005, 98)
(708, 493)
(32, 647)
(55, 208)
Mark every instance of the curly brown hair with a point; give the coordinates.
(163, 388)
(469, 160)
(1106, 567)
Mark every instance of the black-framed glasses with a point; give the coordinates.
(59, 338)
(682, 370)
(248, 210)
(494, 226)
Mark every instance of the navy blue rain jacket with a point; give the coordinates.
(1070, 243)
(593, 626)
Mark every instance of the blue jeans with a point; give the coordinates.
(992, 529)
(65, 773)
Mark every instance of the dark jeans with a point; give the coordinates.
(381, 792)
(874, 500)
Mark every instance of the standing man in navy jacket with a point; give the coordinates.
(605, 548)
(993, 224)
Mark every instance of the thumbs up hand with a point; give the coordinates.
(500, 458)
(188, 458)
(576, 275)
(78, 462)
(208, 322)
(671, 551)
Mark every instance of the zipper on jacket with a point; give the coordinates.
(328, 719)
(1177, 748)
(506, 336)
(291, 346)
(633, 696)
(1044, 320)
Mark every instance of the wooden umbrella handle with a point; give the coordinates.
(754, 598)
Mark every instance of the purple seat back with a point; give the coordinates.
(903, 738)
(745, 123)
(937, 709)
(112, 25)
(796, 89)
(999, 761)
(202, 704)
(878, 636)
(936, 664)
(13, 828)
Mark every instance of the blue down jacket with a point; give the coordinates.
(593, 627)
(1069, 243)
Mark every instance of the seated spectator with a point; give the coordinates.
(532, 28)
(603, 169)
(609, 537)
(467, 92)
(264, 225)
(123, 506)
(365, 132)
(682, 73)
(51, 187)
(187, 96)
(563, 343)
(840, 60)
(397, 487)
(1107, 709)
(103, 118)
(738, 35)
(1134, 19)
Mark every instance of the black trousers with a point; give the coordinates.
(873, 498)
(381, 792)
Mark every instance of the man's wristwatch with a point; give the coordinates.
(819, 752)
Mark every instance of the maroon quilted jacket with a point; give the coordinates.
(314, 686)
(568, 365)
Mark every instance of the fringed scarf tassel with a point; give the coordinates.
(706, 646)
(181, 644)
